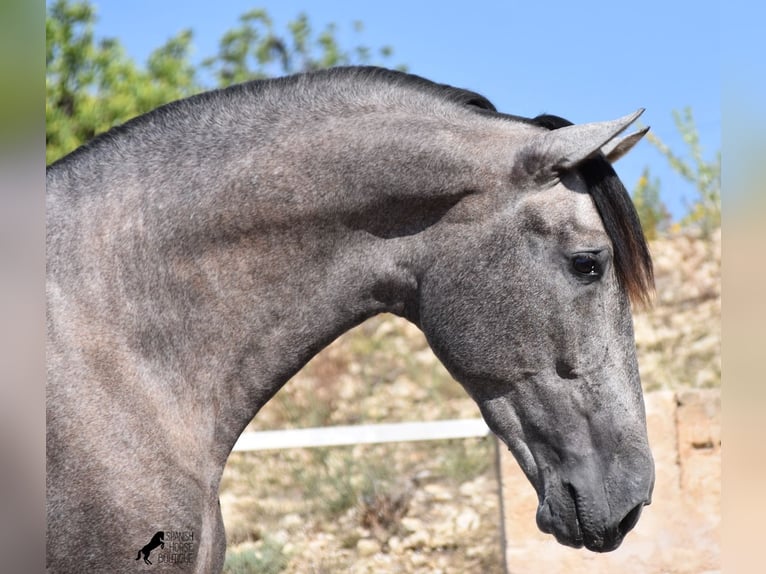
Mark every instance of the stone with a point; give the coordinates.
(467, 521)
(291, 520)
(412, 524)
(367, 547)
(438, 493)
(395, 544)
(417, 540)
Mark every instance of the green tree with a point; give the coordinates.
(254, 49)
(651, 210)
(92, 85)
(705, 175)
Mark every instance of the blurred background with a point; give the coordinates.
(409, 507)
(689, 64)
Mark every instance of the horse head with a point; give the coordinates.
(528, 306)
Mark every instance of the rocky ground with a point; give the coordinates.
(679, 338)
(424, 507)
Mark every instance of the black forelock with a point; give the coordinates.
(633, 262)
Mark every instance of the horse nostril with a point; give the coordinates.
(630, 520)
(564, 370)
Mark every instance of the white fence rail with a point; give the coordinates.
(361, 434)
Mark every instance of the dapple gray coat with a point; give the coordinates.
(200, 255)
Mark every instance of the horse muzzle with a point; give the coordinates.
(579, 520)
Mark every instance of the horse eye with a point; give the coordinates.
(586, 265)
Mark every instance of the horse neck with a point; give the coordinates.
(225, 273)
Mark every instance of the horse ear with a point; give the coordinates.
(616, 148)
(567, 147)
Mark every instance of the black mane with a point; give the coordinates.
(633, 262)
(446, 92)
(247, 90)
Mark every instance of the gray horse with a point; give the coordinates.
(201, 254)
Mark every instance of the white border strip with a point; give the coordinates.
(361, 434)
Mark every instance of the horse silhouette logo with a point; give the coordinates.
(157, 540)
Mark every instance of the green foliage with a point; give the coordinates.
(336, 480)
(705, 212)
(651, 210)
(92, 85)
(267, 557)
(254, 49)
(466, 459)
(21, 53)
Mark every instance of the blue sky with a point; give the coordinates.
(588, 60)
